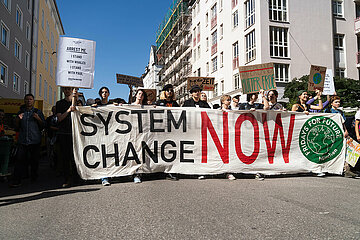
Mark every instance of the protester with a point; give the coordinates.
(167, 97)
(2, 128)
(225, 101)
(104, 94)
(216, 106)
(140, 98)
(195, 100)
(357, 125)
(251, 103)
(30, 122)
(51, 129)
(272, 97)
(63, 109)
(235, 102)
(301, 105)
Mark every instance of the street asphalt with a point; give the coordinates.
(283, 207)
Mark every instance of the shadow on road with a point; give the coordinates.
(43, 195)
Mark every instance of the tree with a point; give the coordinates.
(347, 89)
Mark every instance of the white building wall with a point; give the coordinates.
(311, 38)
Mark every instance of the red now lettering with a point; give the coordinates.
(278, 128)
(246, 159)
(207, 125)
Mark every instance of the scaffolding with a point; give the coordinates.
(173, 40)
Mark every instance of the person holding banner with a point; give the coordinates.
(301, 105)
(195, 100)
(235, 102)
(167, 97)
(272, 97)
(251, 103)
(64, 108)
(140, 97)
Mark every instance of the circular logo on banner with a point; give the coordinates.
(321, 139)
(317, 78)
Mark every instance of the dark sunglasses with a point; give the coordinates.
(170, 90)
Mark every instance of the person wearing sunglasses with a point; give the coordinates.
(195, 100)
(167, 97)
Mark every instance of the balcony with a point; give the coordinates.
(358, 60)
(235, 63)
(213, 49)
(357, 25)
(213, 22)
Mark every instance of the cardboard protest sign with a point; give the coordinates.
(316, 78)
(145, 139)
(151, 94)
(256, 77)
(352, 151)
(329, 87)
(75, 63)
(205, 83)
(130, 80)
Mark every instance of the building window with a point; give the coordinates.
(207, 68)
(221, 3)
(50, 95)
(207, 18)
(27, 60)
(279, 42)
(40, 85)
(338, 8)
(17, 48)
(45, 90)
(215, 89)
(28, 31)
(3, 74)
(207, 44)
(198, 32)
(46, 60)
(235, 19)
(235, 47)
(221, 31)
(47, 30)
(54, 97)
(42, 19)
(214, 64)
(199, 72)
(214, 42)
(198, 52)
(234, 3)
(26, 87)
(213, 16)
(5, 35)
(281, 72)
(41, 51)
(51, 67)
(29, 5)
(249, 13)
(52, 41)
(339, 41)
(340, 72)
(237, 81)
(222, 86)
(221, 59)
(16, 83)
(278, 10)
(195, 55)
(6, 4)
(250, 46)
(19, 16)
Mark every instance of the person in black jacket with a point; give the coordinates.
(167, 97)
(195, 101)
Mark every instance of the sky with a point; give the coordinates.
(124, 32)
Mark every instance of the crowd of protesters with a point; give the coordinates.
(30, 123)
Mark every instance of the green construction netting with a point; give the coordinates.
(177, 8)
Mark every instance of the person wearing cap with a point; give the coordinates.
(167, 97)
(301, 105)
(195, 101)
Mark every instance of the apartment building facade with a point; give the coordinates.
(151, 77)
(294, 35)
(15, 47)
(47, 29)
(291, 34)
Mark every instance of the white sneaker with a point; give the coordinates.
(105, 182)
(321, 174)
(230, 177)
(137, 179)
(201, 177)
(259, 177)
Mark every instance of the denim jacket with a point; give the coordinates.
(30, 129)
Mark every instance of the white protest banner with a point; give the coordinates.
(329, 87)
(352, 151)
(122, 140)
(75, 63)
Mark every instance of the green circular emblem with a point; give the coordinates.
(321, 139)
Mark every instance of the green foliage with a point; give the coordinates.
(347, 89)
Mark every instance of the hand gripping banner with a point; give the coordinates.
(114, 141)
